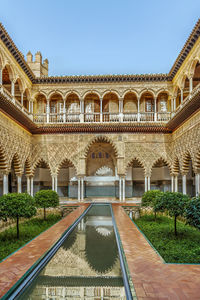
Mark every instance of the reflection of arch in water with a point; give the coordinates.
(101, 252)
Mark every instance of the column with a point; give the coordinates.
(172, 183)
(120, 188)
(191, 84)
(124, 187)
(22, 98)
(101, 110)
(149, 183)
(56, 184)
(155, 109)
(19, 184)
(47, 112)
(82, 188)
(64, 112)
(145, 184)
(81, 110)
(31, 186)
(53, 183)
(197, 184)
(79, 189)
(176, 183)
(5, 184)
(184, 180)
(121, 109)
(181, 95)
(138, 110)
(12, 88)
(28, 185)
(172, 104)
(1, 76)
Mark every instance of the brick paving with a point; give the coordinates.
(15, 266)
(152, 278)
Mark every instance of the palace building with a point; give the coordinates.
(89, 137)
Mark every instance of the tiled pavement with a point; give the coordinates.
(16, 265)
(152, 278)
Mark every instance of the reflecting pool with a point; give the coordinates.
(86, 266)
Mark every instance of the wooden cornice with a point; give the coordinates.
(195, 34)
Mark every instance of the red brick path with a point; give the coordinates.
(12, 269)
(152, 278)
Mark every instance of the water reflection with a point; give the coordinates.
(86, 266)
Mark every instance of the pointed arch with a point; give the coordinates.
(17, 164)
(161, 161)
(175, 166)
(101, 138)
(3, 159)
(40, 161)
(135, 159)
(67, 162)
(186, 162)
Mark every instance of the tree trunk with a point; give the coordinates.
(175, 231)
(44, 213)
(155, 215)
(17, 227)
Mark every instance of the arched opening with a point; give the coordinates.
(130, 107)
(26, 98)
(186, 88)
(196, 77)
(56, 106)
(101, 174)
(67, 181)
(147, 107)
(42, 178)
(135, 179)
(15, 171)
(72, 108)
(7, 76)
(92, 108)
(163, 106)
(18, 90)
(178, 97)
(110, 108)
(160, 176)
(187, 169)
(40, 109)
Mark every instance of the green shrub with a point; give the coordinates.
(192, 212)
(16, 206)
(46, 199)
(175, 204)
(152, 199)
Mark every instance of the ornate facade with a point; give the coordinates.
(93, 136)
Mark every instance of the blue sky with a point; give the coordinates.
(101, 36)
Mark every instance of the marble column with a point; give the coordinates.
(79, 189)
(19, 184)
(184, 183)
(138, 110)
(101, 110)
(155, 109)
(191, 84)
(124, 189)
(120, 188)
(176, 183)
(5, 184)
(197, 184)
(149, 183)
(22, 99)
(1, 76)
(181, 95)
(145, 184)
(12, 88)
(28, 185)
(31, 186)
(55, 184)
(64, 111)
(172, 183)
(172, 104)
(82, 188)
(47, 111)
